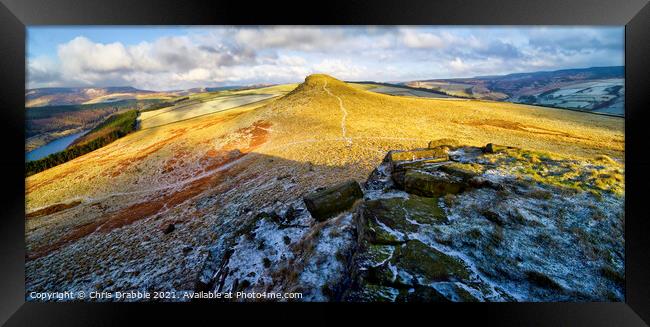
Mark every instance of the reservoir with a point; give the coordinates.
(55, 146)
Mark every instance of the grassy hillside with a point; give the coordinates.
(210, 175)
(112, 128)
(163, 104)
(197, 105)
(307, 125)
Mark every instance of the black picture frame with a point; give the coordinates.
(15, 15)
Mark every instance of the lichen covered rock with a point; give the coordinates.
(328, 202)
(466, 171)
(435, 154)
(457, 224)
(488, 224)
(431, 184)
(427, 265)
(388, 220)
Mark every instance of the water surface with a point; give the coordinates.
(55, 146)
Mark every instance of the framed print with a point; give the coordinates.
(215, 156)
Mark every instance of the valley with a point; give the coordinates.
(61, 96)
(49, 123)
(597, 89)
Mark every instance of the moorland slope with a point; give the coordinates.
(155, 208)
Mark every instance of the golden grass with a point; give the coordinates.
(378, 122)
(363, 86)
(305, 127)
(181, 112)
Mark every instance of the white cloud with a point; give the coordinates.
(242, 55)
(458, 65)
(42, 70)
(196, 74)
(178, 59)
(294, 38)
(292, 61)
(339, 68)
(421, 40)
(81, 54)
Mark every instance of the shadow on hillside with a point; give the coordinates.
(76, 246)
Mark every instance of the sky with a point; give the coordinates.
(183, 57)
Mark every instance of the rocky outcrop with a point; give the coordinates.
(445, 223)
(387, 221)
(391, 262)
(493, 148)
(433, 175)
(430, 155)
(327, 202)
(431, 184)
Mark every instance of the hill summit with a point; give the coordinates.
(322, 81)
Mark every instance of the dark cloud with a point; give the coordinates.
(575, 40)
(501, 50)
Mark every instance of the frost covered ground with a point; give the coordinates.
(518, 239)
(503, 237)
(286, 250)
(602, 96)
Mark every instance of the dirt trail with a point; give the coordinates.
(345, 114)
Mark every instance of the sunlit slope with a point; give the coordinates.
(363, 123)
(92, 219)
(121, 96)
(210, 103)
(323, 121)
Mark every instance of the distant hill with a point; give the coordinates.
(568, 74)
(80, 95)
(595, 89)
(57, 96)
(204, 90)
